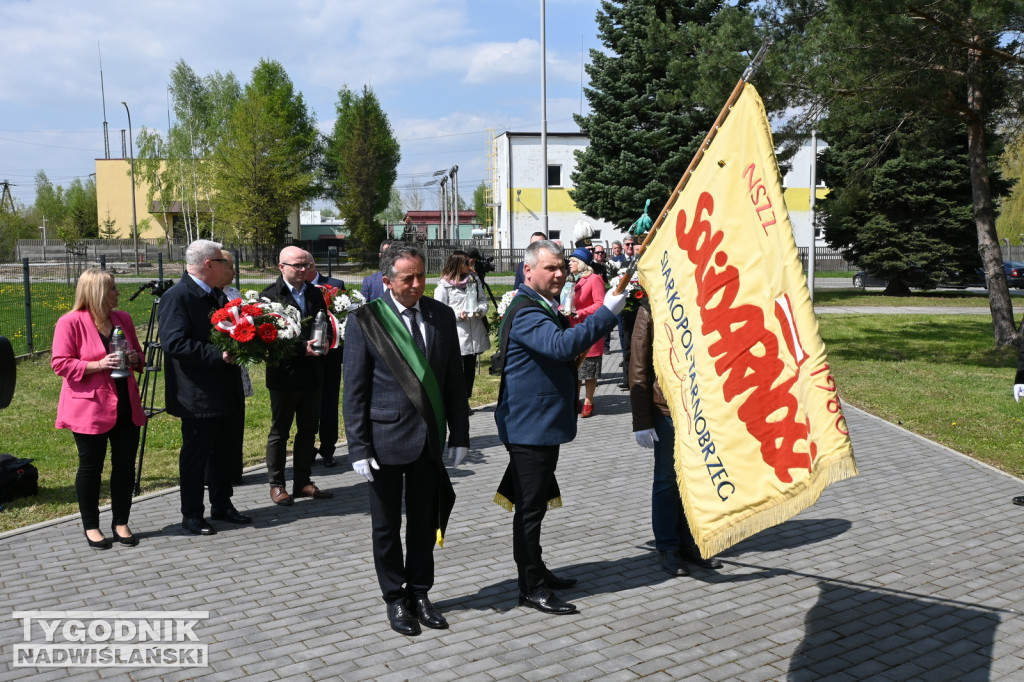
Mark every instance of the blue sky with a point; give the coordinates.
(445, 71)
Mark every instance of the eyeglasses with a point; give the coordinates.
(299, 266)
(599, 253)
(628, 244)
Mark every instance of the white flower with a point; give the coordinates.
(634, 283)
(506, 300)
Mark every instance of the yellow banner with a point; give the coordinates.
(759, 428)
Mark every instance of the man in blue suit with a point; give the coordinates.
(536, 410)
(331, 389)
(373, 285)
(403, 386)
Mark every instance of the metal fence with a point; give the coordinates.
(36, 291)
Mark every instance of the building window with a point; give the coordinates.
(554, 234)
(554, 176)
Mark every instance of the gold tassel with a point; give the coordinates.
(503, 501)
(440, 538)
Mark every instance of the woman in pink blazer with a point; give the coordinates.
(588, 296)
(96, 407)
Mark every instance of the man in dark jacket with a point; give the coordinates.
(202, 388)
(403, 389)
(295, 385)
(331, 391)
(652, 428)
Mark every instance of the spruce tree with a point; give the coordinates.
(360, 166)
(668, 68)
(900, 202)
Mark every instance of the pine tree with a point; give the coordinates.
(901, 210)
(361, 166)
(669, 68)
(948, 64)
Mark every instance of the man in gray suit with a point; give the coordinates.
(403, 386)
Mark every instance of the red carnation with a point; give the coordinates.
(638, 294)
(252, 310)
(268, 332)
(243, 332)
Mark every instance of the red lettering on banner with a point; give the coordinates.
(757, 191)
(833, 405)
(747, 355)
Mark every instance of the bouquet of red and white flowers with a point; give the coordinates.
(255, 330)
(339, 304)
(634, 292)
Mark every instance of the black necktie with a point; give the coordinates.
(417, 337)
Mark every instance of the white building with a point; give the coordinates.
(518, 184)
(796, 185)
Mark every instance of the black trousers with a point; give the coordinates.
(302, 407)
(414, 574)
(533, 472)
(208, 449)
(329, 401)
(469, 372)
(92, 450)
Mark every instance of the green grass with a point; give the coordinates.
(27, 430)
(936, 375)
(945, 298)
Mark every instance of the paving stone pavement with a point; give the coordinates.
(908, 571)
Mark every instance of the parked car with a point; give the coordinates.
(1014, 275)
(1014, 278)
(863, 279)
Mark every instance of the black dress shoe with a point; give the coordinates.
(1019, 500)
(329, 461)
(427, 614)
(402, 619)
(129, 540)
(545, 601)
(673, 563)
(693, 557)
(197, 525)
(98, 544)
(558, 583)
(231, 515)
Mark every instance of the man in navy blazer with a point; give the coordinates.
(202, 387)
(389, 440)
(331, 390)
(373, 285)
(537, 409)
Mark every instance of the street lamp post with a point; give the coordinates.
(131, 156)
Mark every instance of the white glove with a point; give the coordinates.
(1018, 392)
(646, 438)
(458, 454)
(614, 302)
(362, 467)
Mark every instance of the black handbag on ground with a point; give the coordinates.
(18, 477)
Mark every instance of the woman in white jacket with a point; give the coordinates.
(461, 290)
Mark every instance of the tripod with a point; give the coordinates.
(154, 364)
